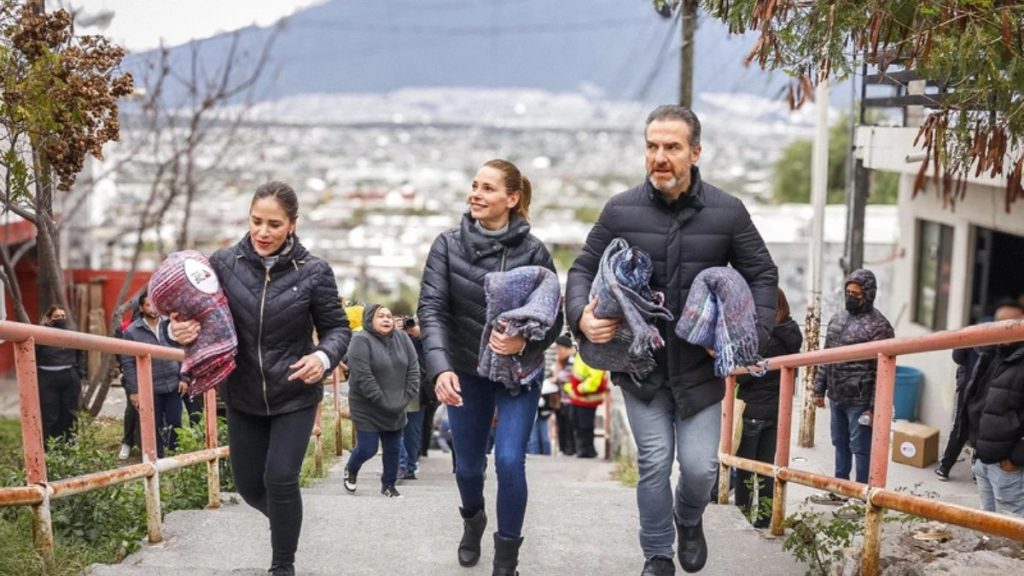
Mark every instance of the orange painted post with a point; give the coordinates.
(318, 444)
(784, 431)
(726, 442)
(885, 383)
(33, 446)
(338, 447)
(144, 367)
(31, 419)
(608, 419)
(213, 466)
(881, 424)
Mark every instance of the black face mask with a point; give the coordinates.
(853, 304)
(60, 323)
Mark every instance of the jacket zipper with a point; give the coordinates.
(504, 252)
(259, 341)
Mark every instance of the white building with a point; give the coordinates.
(953, 263)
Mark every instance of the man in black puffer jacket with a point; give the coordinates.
(995, 421)
(686, 225)
(851, 385)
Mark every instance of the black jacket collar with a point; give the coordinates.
(478, 245)
(693, 198)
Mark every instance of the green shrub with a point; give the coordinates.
(187, 488)
(111, 521)
(818, 539)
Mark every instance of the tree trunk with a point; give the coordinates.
(50, 276)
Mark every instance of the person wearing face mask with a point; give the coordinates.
(850, 386)
(279, 295)
(995, 420)
(493, 236)
(168, 387)
(383, 377)
(60, 372)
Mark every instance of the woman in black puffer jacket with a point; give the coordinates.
(494, 236)
(760, 418)
(279, 295)
(383, 377)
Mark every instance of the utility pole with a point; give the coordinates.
(857, 190)
(812, 325)
(688, 11)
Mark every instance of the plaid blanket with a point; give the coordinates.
(623, 290)
(719, 313)
(528, 299)
(185, 283)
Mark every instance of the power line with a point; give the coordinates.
(483, 30)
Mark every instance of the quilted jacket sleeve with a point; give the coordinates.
(434, 310)
(329, 318)
(749, 256)
(584, 269)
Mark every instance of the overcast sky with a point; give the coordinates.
(141, 24)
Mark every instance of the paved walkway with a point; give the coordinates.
(579, 522)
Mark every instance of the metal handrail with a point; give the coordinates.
(40, 490)
(874, 493)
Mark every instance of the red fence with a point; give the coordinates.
(874, 493)
(39, 490)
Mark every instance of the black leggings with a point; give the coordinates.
(266, 458)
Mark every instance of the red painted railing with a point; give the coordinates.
(40, 490)
(874, 493)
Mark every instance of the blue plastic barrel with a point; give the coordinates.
(907, 393)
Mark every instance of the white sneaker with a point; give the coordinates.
(125, 452)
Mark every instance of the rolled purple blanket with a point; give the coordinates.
(623, 290)
(528, 299)
(186, 283)
(719, 313)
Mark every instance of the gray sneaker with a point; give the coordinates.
(390, 491)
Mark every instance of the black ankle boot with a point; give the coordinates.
(472, 533)
(693, 548)
(506, 555)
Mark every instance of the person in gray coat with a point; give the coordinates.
(384, 376)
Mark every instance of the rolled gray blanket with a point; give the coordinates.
(719, 313)
(528, 300)
(623, 290)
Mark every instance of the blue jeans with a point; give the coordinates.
(366, 448)
(471, 424)
(850, 439)
(661, 437)
(999, 490)
(540, 438)
(412, 440)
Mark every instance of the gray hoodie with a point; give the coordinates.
(384, 375)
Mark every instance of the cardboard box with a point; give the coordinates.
(914, 444)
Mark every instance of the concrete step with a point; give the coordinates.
(579, 522)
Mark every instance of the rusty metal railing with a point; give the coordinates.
(39, 490)
(874, 493)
